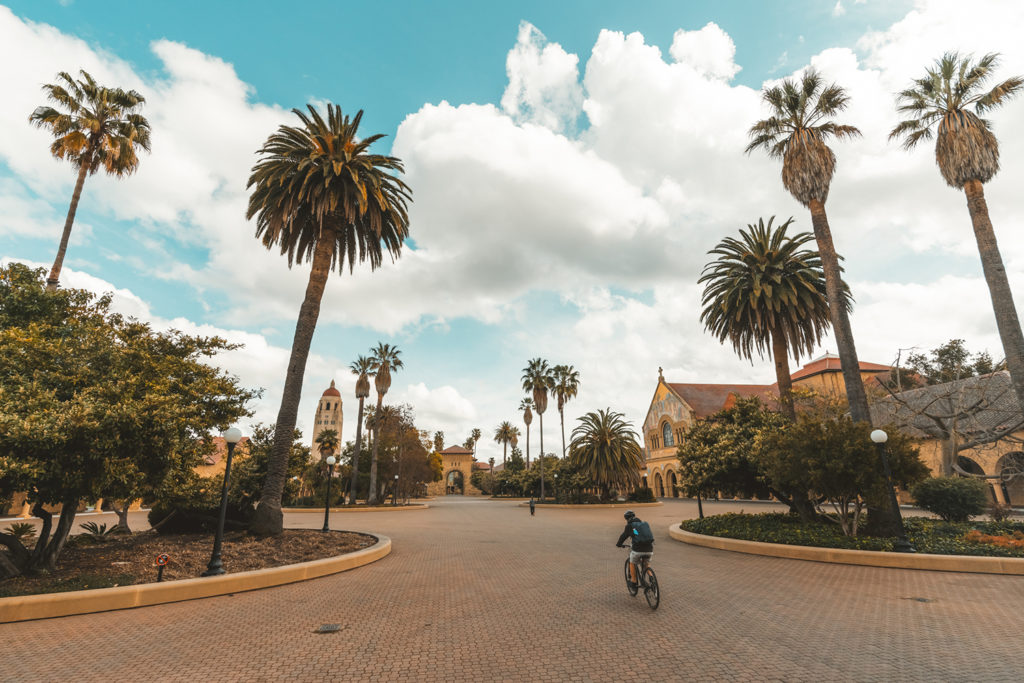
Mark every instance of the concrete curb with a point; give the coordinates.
(375, 508)
(26, 607)
(591, 506)
(867, 558)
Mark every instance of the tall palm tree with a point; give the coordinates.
(475, 436)
(604, 446)
(96, 127)
(967, 154)
(765, 293)
(362, 367)
(538, 381)
(503, 435)
(385, 360)
(566, 386)
(796, 132)
(438, 441)
(327, 443)
(525, 405)
(320, 196)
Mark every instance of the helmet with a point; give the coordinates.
(629, 515)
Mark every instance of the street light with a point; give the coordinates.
(394, 492)
(327, 500)
(231, 436)
(902, 545)
(555, 485)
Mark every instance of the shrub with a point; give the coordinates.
(954, 499)
(23, 531)
(1000, 512)
(642, 495)
(98, 531)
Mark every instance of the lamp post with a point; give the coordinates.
(555, 485)
(394, 492)
(231, 437)
(902, 545)
(327, 499)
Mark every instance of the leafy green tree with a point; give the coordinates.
(92, 403)
(515, 461)
(439, 441)
(950, 362)
(967, 154)
(835, 459)
(386, 358)
(604, 446)
(362, 367)
(765, 293)
(320, 196)
(249, 471)
(538, 381)
(566, 385)
(95, 127)
(796, 133)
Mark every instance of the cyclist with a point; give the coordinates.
(643, 543)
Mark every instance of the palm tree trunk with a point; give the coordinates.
(527, 446)
(855, 394)
(781, 356)
(561, 419)
(58, 263)
(371, 495)
(268, 519)
(504, 453)
(541, 455)
(355, 456)
(998, 286)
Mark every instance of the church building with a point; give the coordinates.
(328, 416)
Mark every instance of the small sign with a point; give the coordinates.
(162, 559)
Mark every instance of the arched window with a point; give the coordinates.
(666, 433)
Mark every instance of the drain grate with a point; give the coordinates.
(328, 628)
(920, 599)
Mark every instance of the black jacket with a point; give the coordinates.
(637, 546)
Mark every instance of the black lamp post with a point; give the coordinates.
(327, 499)
(394, 492)
(902, 545)
(231, 437)
(554, 485)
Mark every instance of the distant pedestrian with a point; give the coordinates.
(533, 506)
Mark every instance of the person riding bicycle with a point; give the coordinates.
(643, 542)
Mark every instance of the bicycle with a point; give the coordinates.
(647, 580)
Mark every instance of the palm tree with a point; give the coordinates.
(967, 154)
(96, 127)
(525, 405)
(765, 293)
(796, 132)
(566, 386)
(605, 447)
(537, 380)
(438, 441)
(385, 359)
(475, 436)
(320, 196)
(327, 443)
(362, 367)
(503, 435)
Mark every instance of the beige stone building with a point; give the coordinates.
(456, 468)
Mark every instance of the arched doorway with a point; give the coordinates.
(672, 483)
(1011, 475)
(455, 483)
(659, 486)
(971, 467)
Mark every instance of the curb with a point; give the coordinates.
(375, 508)
(590, 506)
(27, 607)
(866, 558)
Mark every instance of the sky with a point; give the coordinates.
(571, 165)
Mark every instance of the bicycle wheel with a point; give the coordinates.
(651, 591)
(633, 589)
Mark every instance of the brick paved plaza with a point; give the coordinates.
(477, 590)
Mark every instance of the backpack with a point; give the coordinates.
(642, 533)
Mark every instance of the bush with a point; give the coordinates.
(642, 495)
(1000, 512)
(954, 499)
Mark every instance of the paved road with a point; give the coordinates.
(477, 590)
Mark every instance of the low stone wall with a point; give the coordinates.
(590, 506)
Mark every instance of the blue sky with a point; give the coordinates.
(571, 163)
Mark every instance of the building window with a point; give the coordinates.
(666, 431)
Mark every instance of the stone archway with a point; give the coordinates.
(673, 484)
(972, 467)
(454, 483)
(659, 485)
(1010, 469)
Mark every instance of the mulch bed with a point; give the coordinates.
(126, 560)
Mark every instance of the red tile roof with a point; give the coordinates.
(708, 399)
(457, 450)
(830, 363)
(331, 391)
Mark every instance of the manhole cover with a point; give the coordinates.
(328, 628)
(921, 599)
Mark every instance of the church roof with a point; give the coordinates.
(830, 363)
(708, 399)
(331, 391)
(456, 450)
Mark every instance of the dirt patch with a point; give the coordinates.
(126, 560)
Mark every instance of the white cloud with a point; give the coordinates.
(710, 51)
(543, 82)
(838, 10)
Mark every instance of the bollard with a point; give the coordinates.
(161, 562)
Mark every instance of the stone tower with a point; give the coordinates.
(328, 416)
